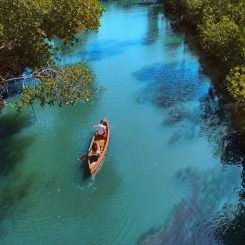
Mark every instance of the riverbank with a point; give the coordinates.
(225, 68)
(218, 27)
(228, 229)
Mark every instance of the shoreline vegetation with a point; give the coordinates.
(216, 30)
(218, 27)
(27, 54)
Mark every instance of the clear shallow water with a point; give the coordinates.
(163, 166)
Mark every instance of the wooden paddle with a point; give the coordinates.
(83, 157)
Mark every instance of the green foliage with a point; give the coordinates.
(220, 25)
(235, 81)
(234, 9)
(193, 11)
(174, 7)
(75, 16)
(25, 24)
(57, 84)
(223, 40)
(25, 28)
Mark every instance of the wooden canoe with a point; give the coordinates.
(94, 166)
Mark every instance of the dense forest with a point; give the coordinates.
(220, 27)
(26, 29)
(27, 53)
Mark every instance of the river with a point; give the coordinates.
(164, 170)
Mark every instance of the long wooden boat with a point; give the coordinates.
(94, 166)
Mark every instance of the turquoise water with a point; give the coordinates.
(163, 167)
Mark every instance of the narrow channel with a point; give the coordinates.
(164, 164)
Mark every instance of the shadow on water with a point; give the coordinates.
(12, 146)
(85, 169)
(14, 187)
(12, 191)
(98, 51)
(168, 84)
(220, 130)
(228, 225)
(173, 87)
(194, 219)
(189, 222)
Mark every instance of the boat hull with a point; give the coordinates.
(103, 143)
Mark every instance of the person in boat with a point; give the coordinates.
(101, 130)
(94, 154)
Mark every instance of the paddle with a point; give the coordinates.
(83, 156)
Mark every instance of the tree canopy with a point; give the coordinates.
(27, 26)
(220, 25)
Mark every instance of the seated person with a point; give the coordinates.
(101, 131)
(94, 154)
